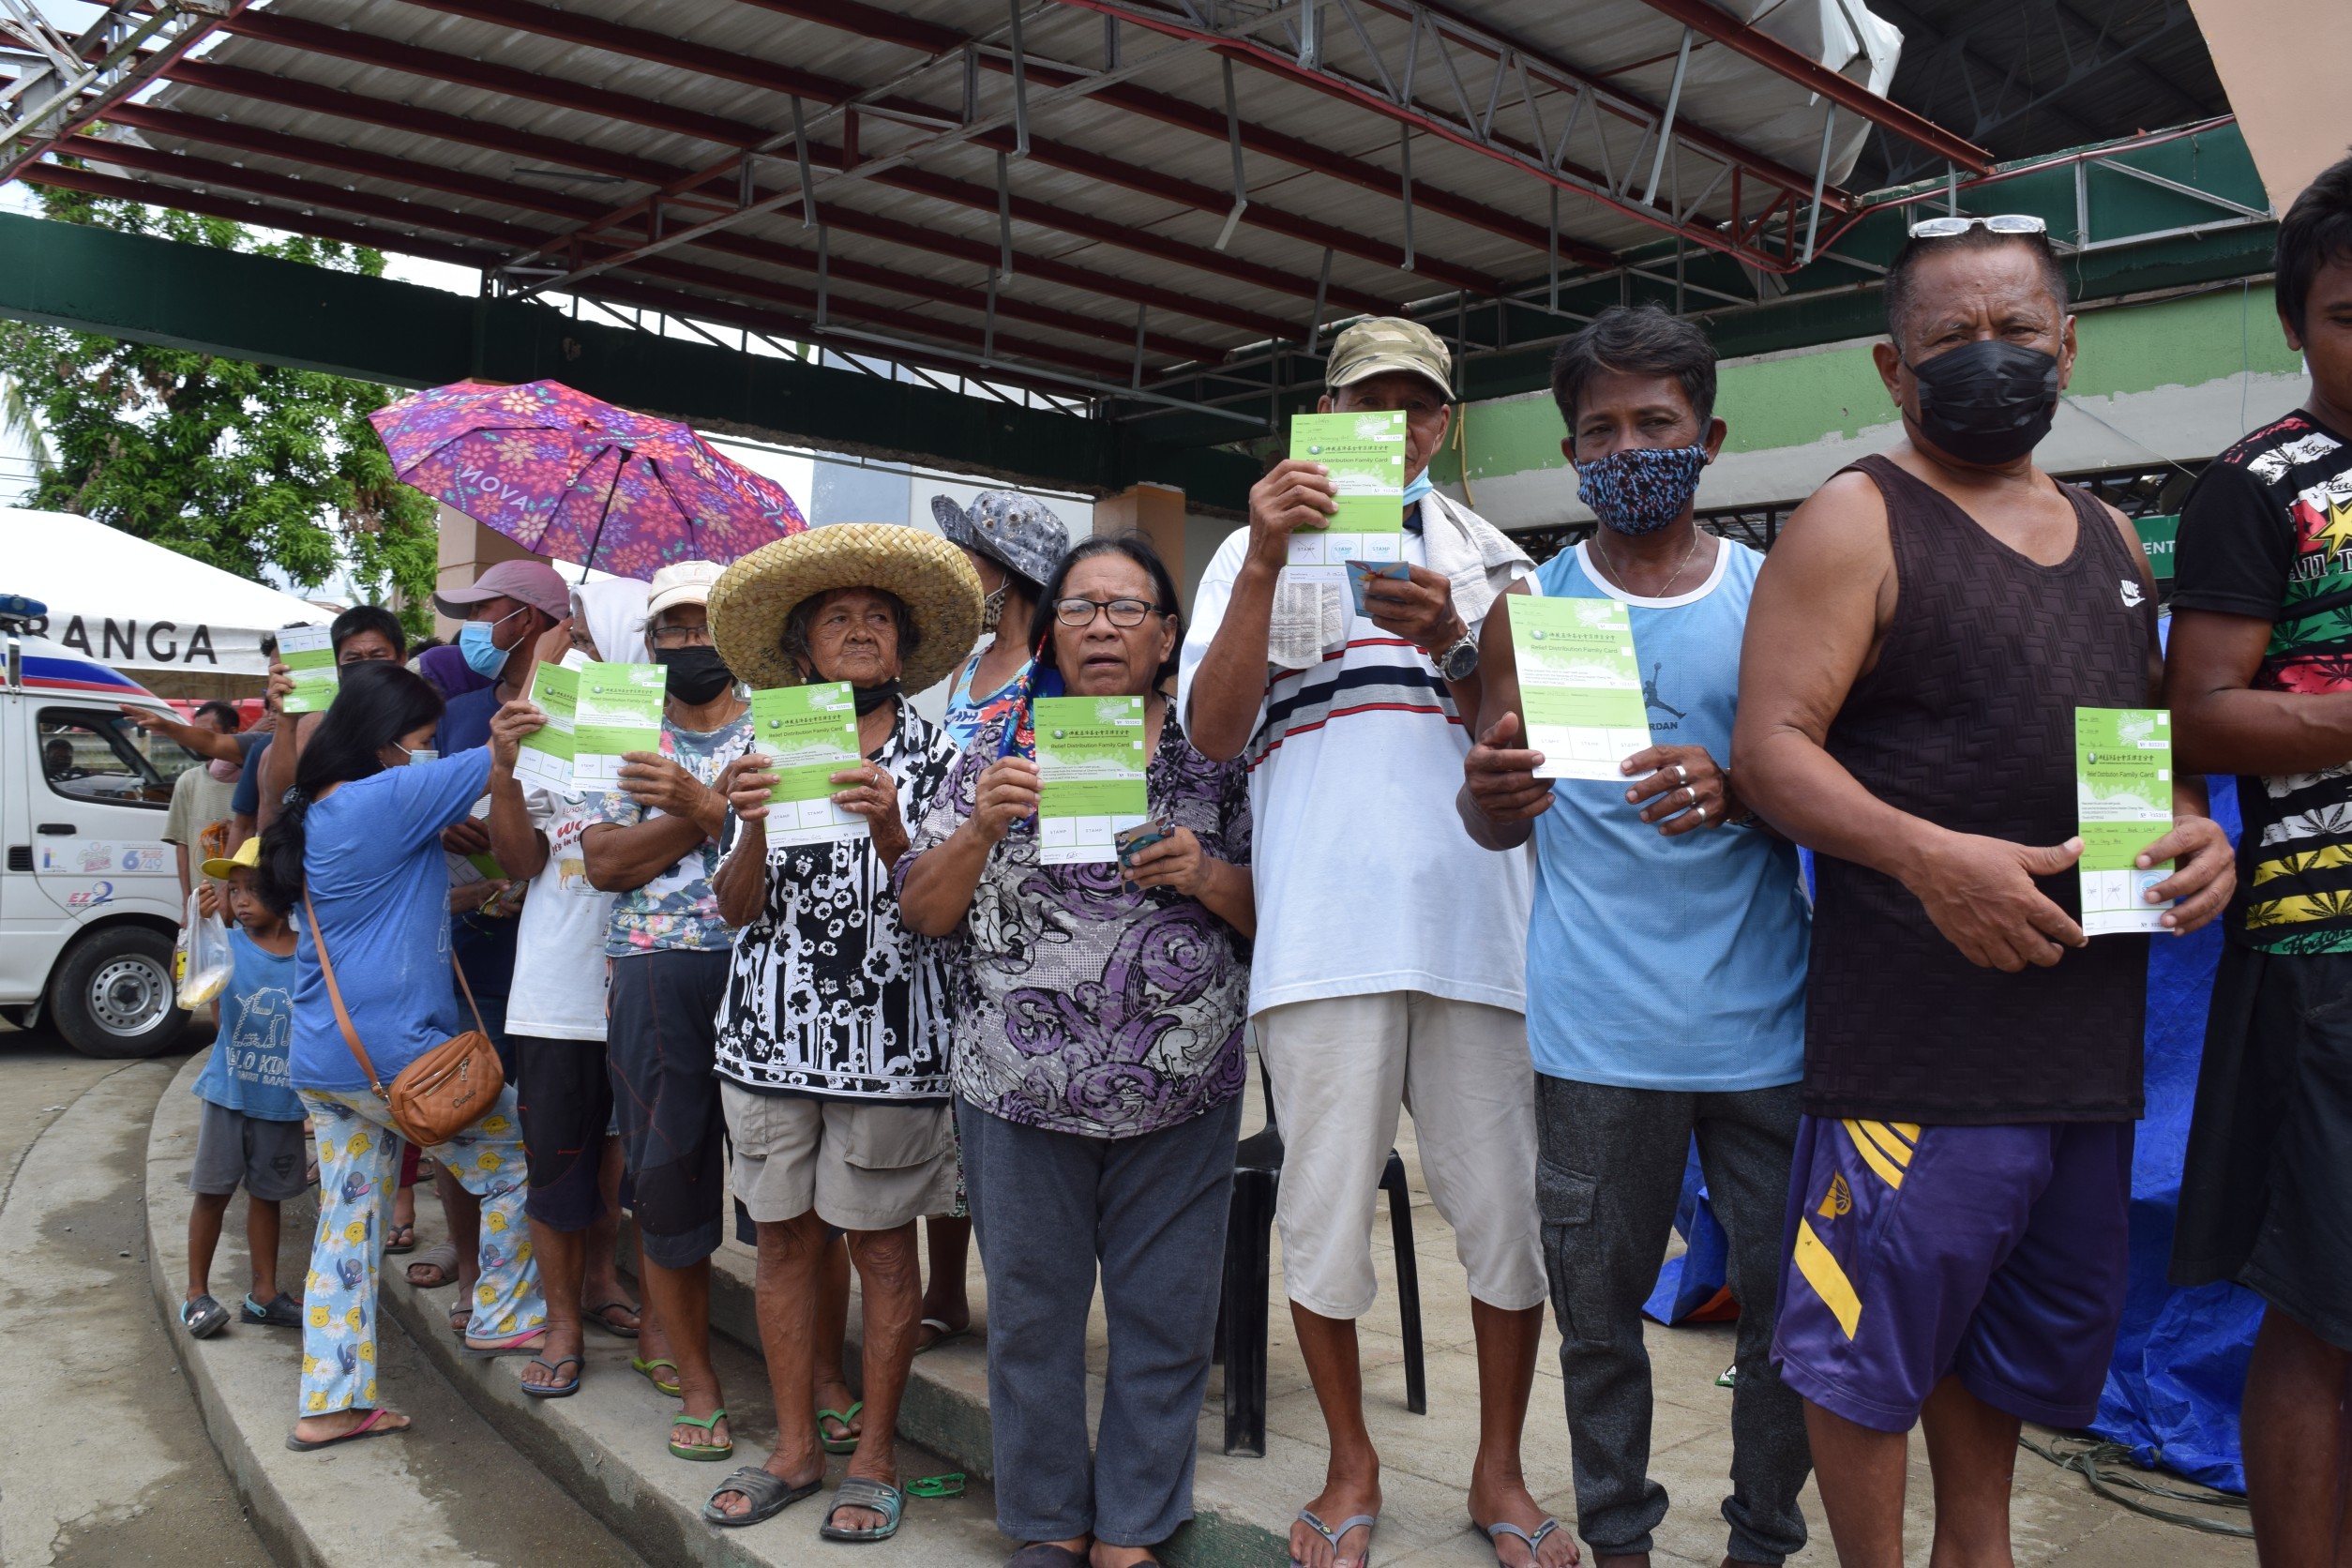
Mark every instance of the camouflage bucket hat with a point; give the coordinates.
(1386, 345)
(1017, 532)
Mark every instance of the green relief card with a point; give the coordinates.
(545, 757)
(1579, 683)
(2123, 803)
(1365, 454)
(807, 733)
(619, 710)
(309, 654)
(1090, 771)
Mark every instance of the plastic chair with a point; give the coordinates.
(1243, 1317)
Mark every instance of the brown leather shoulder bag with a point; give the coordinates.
(442, 1092)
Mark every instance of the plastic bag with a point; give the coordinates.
(209, 958)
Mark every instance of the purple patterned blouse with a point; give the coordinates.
(1091, 1006)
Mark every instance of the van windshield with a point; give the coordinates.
(89, 754)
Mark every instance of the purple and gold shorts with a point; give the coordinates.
(1996, 1253)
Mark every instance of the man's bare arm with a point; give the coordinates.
(1231, 683)
(1500, 796)
(1822, 601)
(2221, 725)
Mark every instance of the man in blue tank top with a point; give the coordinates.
(1918, 648)
(1666, 950)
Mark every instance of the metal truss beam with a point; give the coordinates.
(1814, 76)
(312, 154)
(82, 75)
(677, 184)
(1514, 80)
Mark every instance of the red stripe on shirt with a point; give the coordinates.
(1363, 708)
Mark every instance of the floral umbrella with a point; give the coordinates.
(573, 479)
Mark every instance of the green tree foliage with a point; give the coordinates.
(232, 463)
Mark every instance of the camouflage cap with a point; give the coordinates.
(1385, 344)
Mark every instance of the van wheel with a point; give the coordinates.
(111, 998)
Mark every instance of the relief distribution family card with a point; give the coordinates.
(1090, 772)
(618, 711)
(2123, 803)
(309, 654)
(1579, 683)
(545, 757)
(807, 733)
(1365, 454)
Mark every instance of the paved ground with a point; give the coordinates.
(102, 1458)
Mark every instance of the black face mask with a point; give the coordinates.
(1989, 402)
(866, 698)
(695, 674)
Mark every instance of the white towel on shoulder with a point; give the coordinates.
(1310, 620)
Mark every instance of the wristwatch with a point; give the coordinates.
(1459, 661)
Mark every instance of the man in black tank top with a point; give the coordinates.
(2260, 679)
(1915, 649)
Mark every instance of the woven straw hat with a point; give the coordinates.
(751, 598)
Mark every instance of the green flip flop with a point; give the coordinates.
(645, 1369)
(838, 1445)
(701, 1452)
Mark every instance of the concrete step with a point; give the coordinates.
(452, 1492)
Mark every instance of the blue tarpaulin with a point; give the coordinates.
(2179, 1364)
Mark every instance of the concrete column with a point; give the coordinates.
(467, 549)
(1154, 511)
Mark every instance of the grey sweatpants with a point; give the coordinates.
(1046, 1207)
(1609, 1175)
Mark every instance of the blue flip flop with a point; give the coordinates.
(554, 1390)
(1495, 1532)
(1366, 1522)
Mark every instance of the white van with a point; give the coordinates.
(90, 899)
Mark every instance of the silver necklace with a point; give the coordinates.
(1619, 578)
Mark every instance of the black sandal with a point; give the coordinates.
(769, 1495)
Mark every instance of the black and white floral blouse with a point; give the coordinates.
(829, 995)
(1092, 1006)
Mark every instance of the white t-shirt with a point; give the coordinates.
(560, 966)
(1367, 881)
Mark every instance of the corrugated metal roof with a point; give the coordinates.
(499, 133)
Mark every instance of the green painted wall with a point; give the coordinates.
(1795, 398)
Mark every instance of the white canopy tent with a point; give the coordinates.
(178, 625)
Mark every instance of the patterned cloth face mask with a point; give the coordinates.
(1639, 490)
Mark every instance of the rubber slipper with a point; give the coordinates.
(619, 1330)
(1496, 1532)
(838, 1445)
(878, 1497)
(460, 1317)
(554, 1389)
(398, 1239)
(513, 1345)
(204, 1318)
(702, 1452)
(936, 1332)
(1366, 1522)
(769, 1495)
(282, 1312)
(372, 1428)
(645, 1369)
(441, 1256)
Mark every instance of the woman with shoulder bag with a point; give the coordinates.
(355, 852)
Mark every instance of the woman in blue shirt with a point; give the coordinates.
(360, 840)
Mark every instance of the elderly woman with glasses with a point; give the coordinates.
(1099, 1067)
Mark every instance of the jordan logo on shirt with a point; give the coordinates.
(1651, 699)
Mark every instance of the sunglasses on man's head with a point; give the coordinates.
(1952, 227)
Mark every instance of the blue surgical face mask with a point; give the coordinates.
(1417, 486)
(478, 643)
